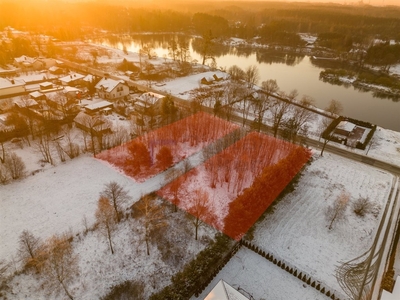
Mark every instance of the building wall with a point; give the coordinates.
(11, 90)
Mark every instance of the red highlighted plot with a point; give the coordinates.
(240, 182)
(156, 151)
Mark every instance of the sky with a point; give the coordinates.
(371, 2)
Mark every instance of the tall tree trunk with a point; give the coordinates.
(109, 240)
(66, 290)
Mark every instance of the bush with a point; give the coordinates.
(128, 290)
(185, 283)
(363, 206)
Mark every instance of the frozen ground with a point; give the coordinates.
(255, 276)
(297, 231)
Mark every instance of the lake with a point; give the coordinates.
(290, 72)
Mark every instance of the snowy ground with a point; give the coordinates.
(255, 276)
(298, 230)
(57, 198)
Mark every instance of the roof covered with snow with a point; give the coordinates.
(98, 105)
(25, 59)
(108, 84)
(345, 125)
(223, 291)
(72, 77)
(150, 97)
(5, 83)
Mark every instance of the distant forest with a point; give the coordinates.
(338, 27)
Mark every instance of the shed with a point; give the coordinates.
(98, 106)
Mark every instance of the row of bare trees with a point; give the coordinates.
(289, 116)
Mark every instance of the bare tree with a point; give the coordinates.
(252, 76)
(263, 102)
(43, 146)
(173, 177)
(153, 217)
(297, 124)
(4, 177)
(337, 211)
(28, 249)
(15, 166)
(173, 49)
(117, 195)
(335, 107)
(4, 266)
(61, 265)
(363, 206)
(236, 73)
(206, 49)
(327, 136)
(198, 209)
(278, 109)
(233, 93)
(105, 217)
(71, 148)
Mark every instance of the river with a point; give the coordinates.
(290, 72)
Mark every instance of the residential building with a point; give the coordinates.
(111, 89)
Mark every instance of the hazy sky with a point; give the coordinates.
(372, 2)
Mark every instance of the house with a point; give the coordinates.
(72, 79)
(59, 101)
(11, 87)
(148, 100)
(207, 81)
(101, 106)
(215, 76)
(108, 88)
(344, 128)
(26, 103)
(26, 62)
(92, 124)
(223, 291)
(45, 86)
(37, 96)
(56, 70)
(72, 92)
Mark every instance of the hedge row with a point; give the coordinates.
(197, 272)
(327, 132)
(292, 270)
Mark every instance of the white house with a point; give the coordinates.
(223, 291)
(148, 100)
(112, 89)
(72, 79)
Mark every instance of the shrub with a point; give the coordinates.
(125, 291)
(362, 206)
(194, 274)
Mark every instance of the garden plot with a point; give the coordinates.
(297, 231)
(233, 188)
(255, 276)
(158, 150)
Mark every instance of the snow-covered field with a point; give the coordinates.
(57, 198)
(255, 276)
(297, 231)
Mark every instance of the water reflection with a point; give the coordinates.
(292, 71)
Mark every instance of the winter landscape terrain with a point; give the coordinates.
(63, 198)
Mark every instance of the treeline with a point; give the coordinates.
(69, 20)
